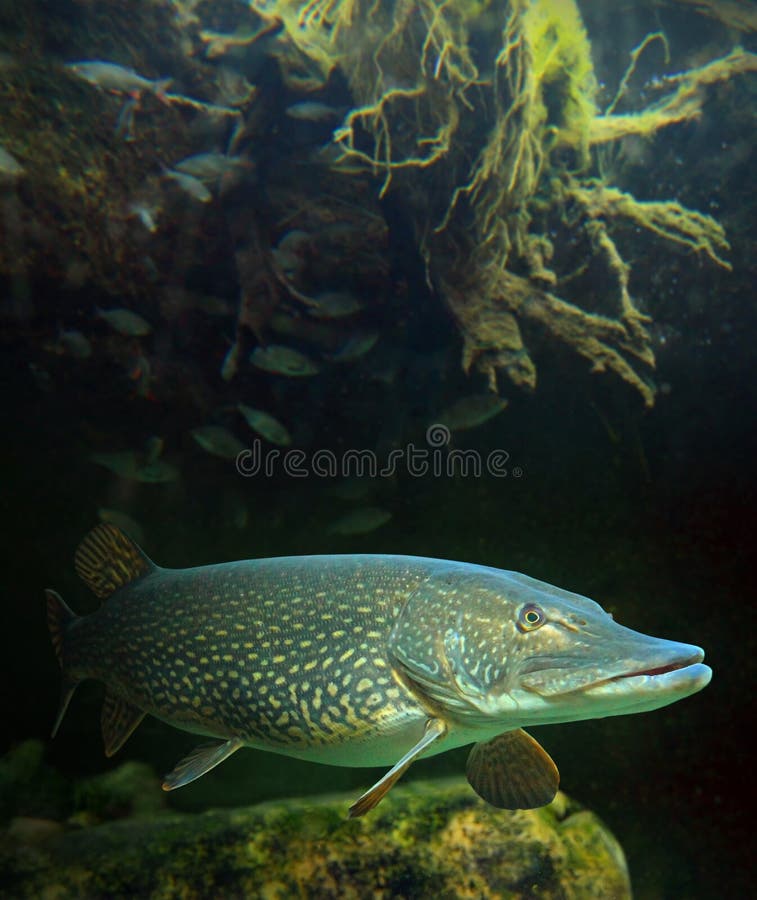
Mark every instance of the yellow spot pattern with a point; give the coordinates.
(292, 660)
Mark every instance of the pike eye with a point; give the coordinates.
(530, 617)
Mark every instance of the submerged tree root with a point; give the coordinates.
(467, 111)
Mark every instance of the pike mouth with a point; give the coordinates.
(681, 676)
(676, 666)
(666, 668)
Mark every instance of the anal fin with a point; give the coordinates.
(201, 760)
(435, 728)
(513, 771)
(118, 720)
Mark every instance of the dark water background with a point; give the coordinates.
(651, 513)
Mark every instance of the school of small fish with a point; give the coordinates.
(265, 382)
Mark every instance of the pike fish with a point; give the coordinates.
(356, 660)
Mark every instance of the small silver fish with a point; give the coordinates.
(130, 465)
(469, 412)
(233, 87)
(266, 425)
(289, 263)
(282, 360)
(360, 521)
(146, 213)
(306, 330)
(313, 111)
(190, 185)
(355, 347)
(73, 343)
(110, 76)
(210, 167)
(295, 241)
(218, 441)
(334, 305)
(125, 322)
(177, 300)
(291, 251)
(125, 124)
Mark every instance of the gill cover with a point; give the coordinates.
(434, 644)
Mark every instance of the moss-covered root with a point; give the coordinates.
(683, 102)
(488, 319)
(667, 219)
(428, 839)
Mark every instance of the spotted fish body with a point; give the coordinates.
(350, 660)
(287, 654)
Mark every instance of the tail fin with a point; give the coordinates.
(59, 617)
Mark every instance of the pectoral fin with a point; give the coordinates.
(435, 728)
(513, 771)
(201, 760)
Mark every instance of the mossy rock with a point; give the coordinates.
(427, 839)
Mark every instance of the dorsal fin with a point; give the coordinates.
(107, 560)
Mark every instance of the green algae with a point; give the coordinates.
(428, 839)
